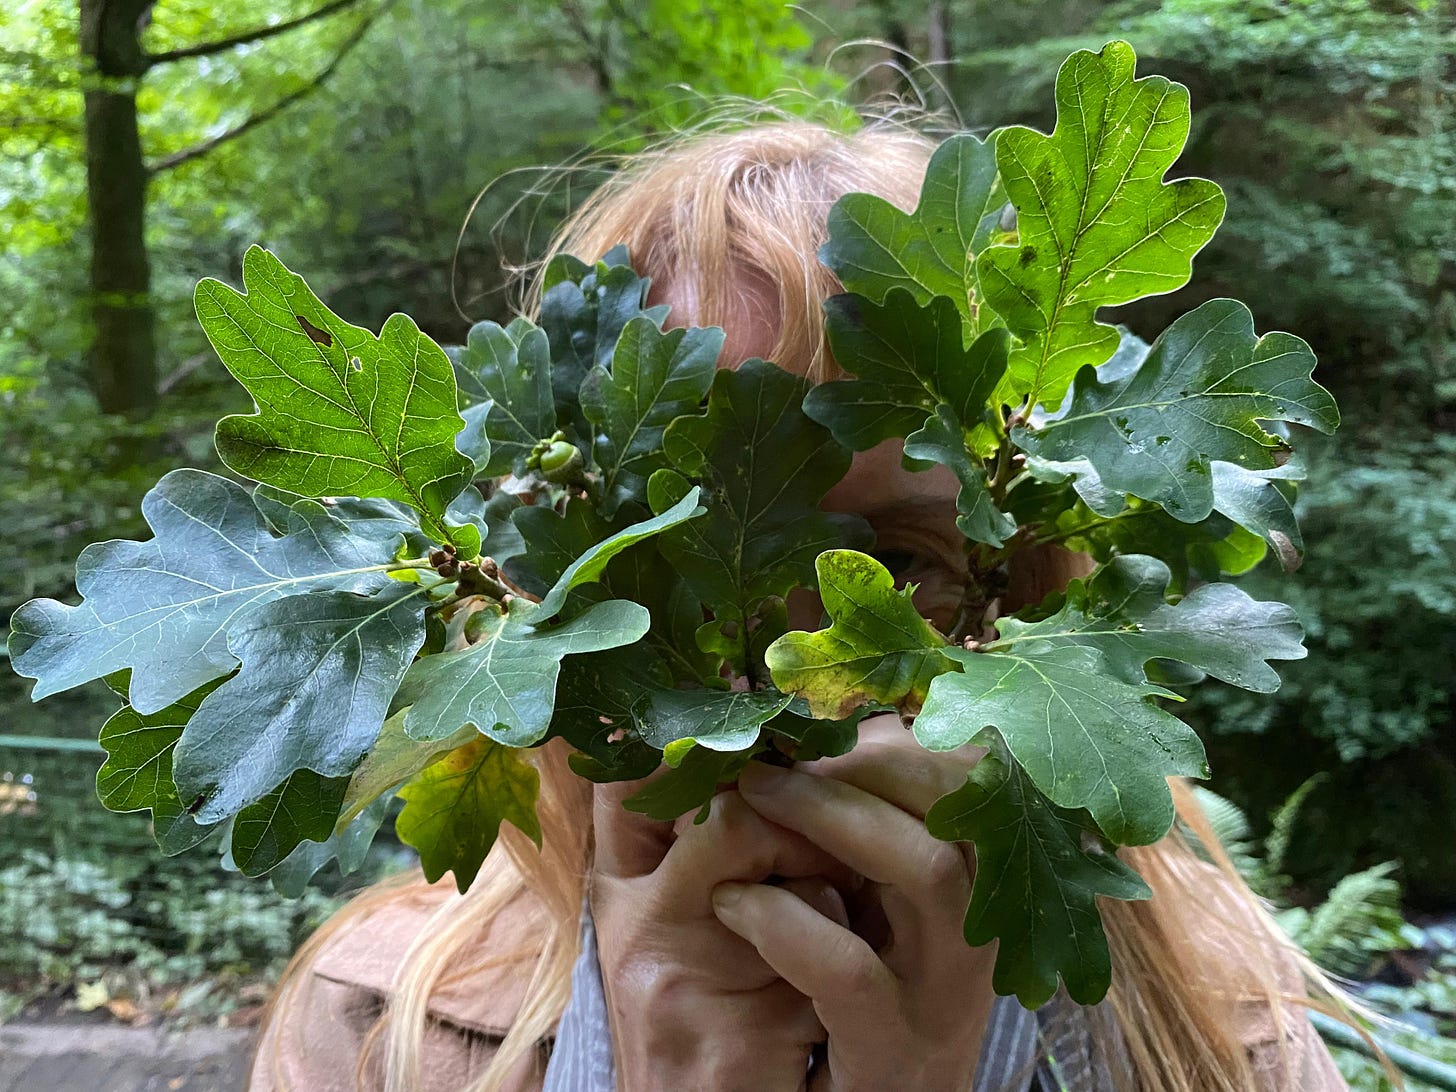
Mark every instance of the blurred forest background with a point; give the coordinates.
(145, 144)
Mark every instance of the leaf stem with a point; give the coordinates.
(1100, 521)
(411, 563)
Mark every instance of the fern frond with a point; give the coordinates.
(1355, 924)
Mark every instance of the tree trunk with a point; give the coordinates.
(124, 351)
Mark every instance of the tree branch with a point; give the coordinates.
(176, 159)
(257, 34)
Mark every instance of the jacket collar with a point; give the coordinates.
(482, 991)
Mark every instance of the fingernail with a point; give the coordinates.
(727, 895)
(761, 779)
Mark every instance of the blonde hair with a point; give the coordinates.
(695, 210)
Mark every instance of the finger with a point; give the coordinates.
(737, 843)
(822, 895)
(776, 1011)
(882, 842)
(836, 969)
(899, 770)
(627, 844)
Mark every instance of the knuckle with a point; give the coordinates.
(942, 865)
(858, 967)
(730, 816)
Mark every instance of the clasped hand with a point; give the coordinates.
(811, 908)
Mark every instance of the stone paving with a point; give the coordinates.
(47, 1057)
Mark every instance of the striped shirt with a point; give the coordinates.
(1049, 1050)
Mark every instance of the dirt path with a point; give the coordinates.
(44, 1057)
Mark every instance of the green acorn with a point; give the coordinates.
(561, 462)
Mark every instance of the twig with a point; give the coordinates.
(257, 34)
(176, 159)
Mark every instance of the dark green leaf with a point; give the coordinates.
(597, 701)
(505, 683)
(944, 440)
(1086, 738)
(583, 313)
(137, 772)
(877, 649)
(553, 541)
(1039, 871)
(505, 374)
(655, 377)
(454, 808)
(721, 720)
(163, 607)
(341, 414)
(688, 786)
(318, 672)
(1122, 611)
(304, 808)
(764, 468)
(1096, 224)
(350, 847)
(1197, 398)
(907, 359)
(813, 738)
(874, 246)
(590, 565)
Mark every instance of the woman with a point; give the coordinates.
(713, 978)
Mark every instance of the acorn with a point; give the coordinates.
(561, 462)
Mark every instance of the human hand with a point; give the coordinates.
(907, 1013)
(692, 1004)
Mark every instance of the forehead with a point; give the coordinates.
(878, 485)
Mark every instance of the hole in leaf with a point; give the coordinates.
(317, 336)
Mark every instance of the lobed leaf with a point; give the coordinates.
(304, 808)
(1122, 612)
(597, 700)
(590, 565)
(1085, 737)
(340, 412)
(1193, 551)
(163, 607)
(505, 373)
(721, 720)
(505, 683)
(554, 540)
(1039, 872)
(394, 758)
(583, 311)
(318, 673)
(454, 809)
(906, 359)
(137, 773)
(764, 467)
(1197, 398)
(348, 846)
(877, 648)
(943, 440)
(656, 376)
(690, 785)
(875, 247)
(1096, 224)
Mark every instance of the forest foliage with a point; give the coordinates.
(1327, 122)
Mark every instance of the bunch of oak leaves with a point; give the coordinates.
(367, 621)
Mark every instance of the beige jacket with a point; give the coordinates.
(343, 990)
